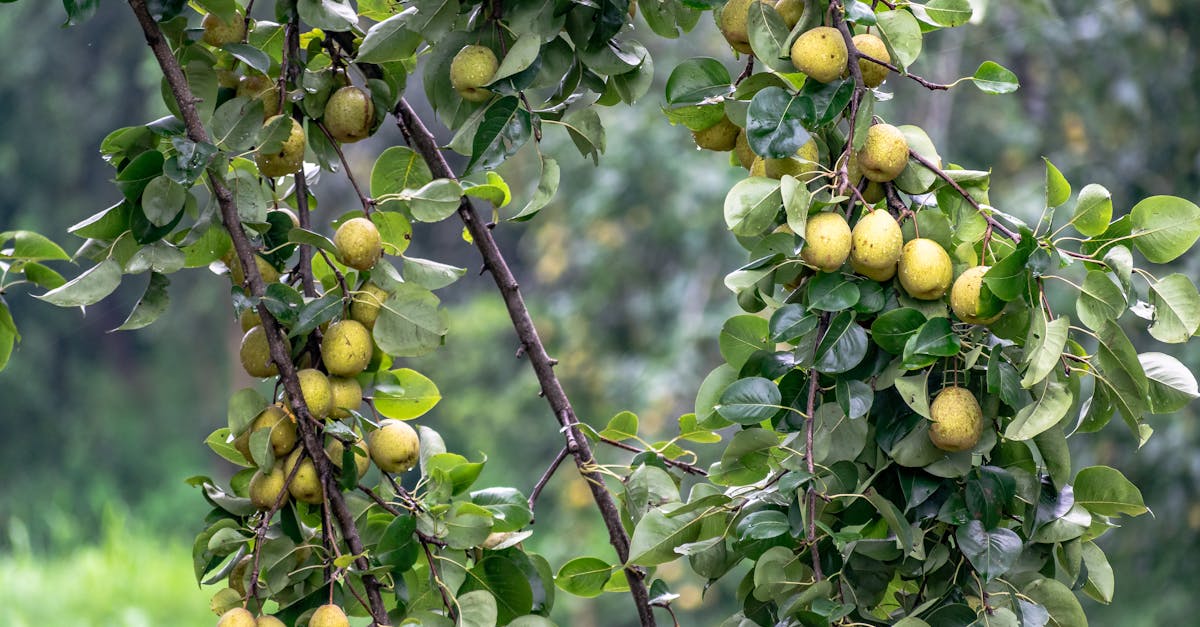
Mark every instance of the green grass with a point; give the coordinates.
(130, 578)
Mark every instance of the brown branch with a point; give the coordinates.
(541, 484)
(962, 192)
(266, 524)
(810, 495)
(186, 101)
(930, 85)
(368, 205)
(684, 466)
(424, 143)
(437, 581)
(836, 10)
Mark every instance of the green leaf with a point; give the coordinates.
(791, 322)
(504, 129)
(774, 125)
(740, 337)
(8, 334)
(398, 548)
(993, 552)
(1100, 579)
(429, 274)
(1058, 190)
(892, 329)
(749, 401)
(935, 340)
(87, 288)
(854, 397)
(1049, 405)
(31, 246)
(1106, 492)
(1093, 210)
(405, 394)
(500, 576)
(697, 80)
(508, 506)
(477, 609)
(914, 390)
(586, 131)
(1176, 309)
(327, 14)
(236, 123)
(1164, 227)
(623, 426)
(1044, 348)
(746, 458)
(316, 312)
(709, 395)
(657, 535)
(902, 34)
(843, 346)
(1008, 278)
(768, 36)
(150, 306)
(521, 54)
(752, 205)
(1100, 300)
(1172, 384)
(894, 518)
(993, 78)
(495, 190)
(584, 576)
(398, 168)
(1059, 602)
(436, 200)
(949, 12)
(832, 291)
(547, 187)
(410, 323)
(388, 41)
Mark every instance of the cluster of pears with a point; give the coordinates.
(732, 19)
(329, 615)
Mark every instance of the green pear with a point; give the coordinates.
(964, 296)
(346, 348)
(732, 22)
(349, 115)
(877, 243)
(471, 69)
(305, 485)
(314, 388)
(265, 488)
(741, 149)
(720, 137)
(791, 11)
(261, 87)
(826, 241)
(236, 617)
(362, 459)
(884, 155)
(957, 420)
(347, 395)
(801, 166)
(282, 426)
(820, 53)
(873, 74)
(358, 243)
(218, 32)
(290, 156)
(366, 304)
(329, 616)
(394, 446)
(925, 269)
(255, 354)
(270, 621)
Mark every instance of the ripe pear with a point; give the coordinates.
(720, 137)
(791, 11)
(873, 192)
(758, 167)
(329, 616)
(349, 114)
(346, 348)
(358, 243)
(873, 74)
(347, 394)
(270, 621)
(283, 428)
(237, 274)
(261, 87)
(957, 420)
(249, 319)
(964, 296)
(255, 354)
(878, 275)
(265, 488)
(366, 303)
(820, 53)
(218, 32)
(362, 460)
(394, 446)
(305, 485)
(741, 149)
(877, 243)
(925, 269)
(732, 22)
(885, 153)
(238, 616)
(804, 163)
(314, 388)
(290, 156)
(826, 241)
(471, 69)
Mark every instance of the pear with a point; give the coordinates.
(878, 275)
(362, 460)
(270, 621)
(720, 137)
(237, 575)
(238, 616)
(237, 274)
(265, 488)
(791, 11)
(472, 68)
(255, 354)
(758, 167)
(741, 149)
(261, 87)
(290, 156)
(873, 74)
(964, 296)
(731, 20)
(347, 394)
(305, 485)
(925, 269)
(329, 616)
(885, 153)
(804, 163)
(346, 348)
(282, 426)
(249, 319)
(876, 243)
(358, 243)
(366, 303)
(314, 388)
(820, 53)
(394, 446)
(957, 420)
(349, 115)
(826, 241)
(218, 32)
(873, 192)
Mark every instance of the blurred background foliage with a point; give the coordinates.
(622, 273)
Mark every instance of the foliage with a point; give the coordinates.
(829, 484)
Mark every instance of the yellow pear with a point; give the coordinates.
(346, 348)
(261, 87)
(741, 149)
(820, 53)
(329, 616)
(237, 274)
(255, 354)
(732, 22)
(283, 428)
(290, 156)
(394, 446)
(265, 488)
(791, 11)
(270, 621)
(875, 274)
(218, 32)
(362, 460)
(349, 114)
(873, 74)
(358, 243)
(237, 617)
(873, 192)
(877, 242)
(957, 420)
(758, 167)
(472, 68)
(964, 296)
(925, 269)
(885, 153)
(720, 137)
(804, 163)
(366, 303)
(826, 241)
(314, 388)
(305, 485)
(347, 394)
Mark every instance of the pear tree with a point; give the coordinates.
(892, 412)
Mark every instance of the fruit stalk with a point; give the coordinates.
(195, 129)
(423, 142)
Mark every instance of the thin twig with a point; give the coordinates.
(930, 85)
(537, 488)
(684, 466)
(962, 192)
(367, 204)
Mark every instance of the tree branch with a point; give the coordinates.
(275, 338)
(424, 143)
(933, 167)
(691, 469)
